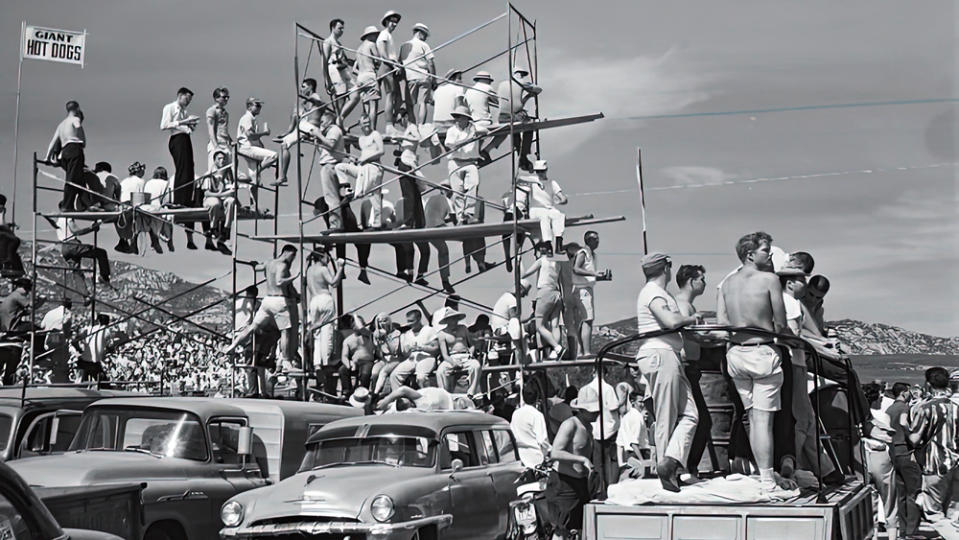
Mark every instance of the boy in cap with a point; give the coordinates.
(572, 451)
(366, 67)
(463, 144)
(543, 195)
(658, 360)
(481, 98)
(512, 96)
(420, 69)
(392, 80)
(446, 97)
(249, 146)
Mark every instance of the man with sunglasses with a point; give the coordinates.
(217, 127)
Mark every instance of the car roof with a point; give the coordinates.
(207, 407)
(12, 396)
(433, 421)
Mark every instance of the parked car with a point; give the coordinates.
(44, 420)
(192, 453)
(408, 475)
(23, 515)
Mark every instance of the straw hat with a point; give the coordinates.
(452, 71)
(389, 14)
(451, 313)
(422, 28)
(360, 397)
(370, 30)
(483, 76)
(462, 111)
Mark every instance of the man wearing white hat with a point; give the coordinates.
(455, 349)
(463, 144)
(366, 67)
(446, 97)
(512, 96)
(481, 98)
(391, 82)
(543, 195)
(417, 59)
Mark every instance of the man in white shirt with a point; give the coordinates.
(632, 440)
(543, 196)
(366, 67)
(446, 98)
(367, 172)
(132, 223)
(180, 124)
(110, 184)
(481, 99)
(339, 77)
(66, 148)
(420, 349)
(606, 427)
(392, 80)
(658, 360)
(584, 279)
(218, 127)
(512, 96)
(160, 194)
(250, 147)
(462, 141)
(529, 427)
(58, 324)
(417, 59)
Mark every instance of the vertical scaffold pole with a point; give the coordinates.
(236, 225)
(304, 381)
(521, 353)
(33, 289)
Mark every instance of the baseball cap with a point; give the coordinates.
(654, 259)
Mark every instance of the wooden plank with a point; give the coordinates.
(459, 232)
(179, 215)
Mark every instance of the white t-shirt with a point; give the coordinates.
(419, 339)
(387, 38)
(646, 322)
(130, 185)
(455, 136)
(370, 145)
(480, 101)
(543, 196)
(794, 313)
(611, 403)
(500, 318)
(586, 282)
(159, 190)
(56, 318)
(632, 430)
(245, 129)
(418, 61)
(445, 98)
(529, 427)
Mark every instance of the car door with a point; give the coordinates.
(504, 469)
(241, 472)
(39, 438)
(472, 495)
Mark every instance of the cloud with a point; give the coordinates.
(692, 175)
(619, 88)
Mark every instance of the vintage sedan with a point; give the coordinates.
(192, 453)
(399, 476)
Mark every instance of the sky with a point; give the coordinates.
(831, 126)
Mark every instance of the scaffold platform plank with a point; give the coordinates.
(518, 127)
(179, 215)
(454, 232)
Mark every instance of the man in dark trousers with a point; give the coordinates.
(66, 148)
(908, 472)
(180, 124)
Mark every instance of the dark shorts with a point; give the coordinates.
(567, 495)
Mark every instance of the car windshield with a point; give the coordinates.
(405, 451)
(158, 432)
(5, 423)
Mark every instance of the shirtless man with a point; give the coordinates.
(280, 305)
(753, 297)
(309, 122)
(339, 79)
(323, 275)
(549, 301)
(66, 148)
(455, 349)
(357, 357)
(572, 451)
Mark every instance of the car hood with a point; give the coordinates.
(338, 492)
(96, 467)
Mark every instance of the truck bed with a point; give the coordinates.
(846, 515)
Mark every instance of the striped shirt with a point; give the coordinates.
(936, 420)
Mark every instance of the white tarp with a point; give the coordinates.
(734, 488)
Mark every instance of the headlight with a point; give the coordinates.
(231, 514)
(382, 508)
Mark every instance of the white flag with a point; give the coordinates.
(53, 45)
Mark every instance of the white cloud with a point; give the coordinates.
(691, 175)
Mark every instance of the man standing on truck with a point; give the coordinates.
(753, 297)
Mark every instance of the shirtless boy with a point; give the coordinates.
(572, 451)
(357, 357)
(753, 297)
(279, 305)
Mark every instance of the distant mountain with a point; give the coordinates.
(133, 285)
(858, 338)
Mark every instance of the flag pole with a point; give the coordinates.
(642, 196)
(16, 125)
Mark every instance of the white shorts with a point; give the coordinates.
(289, 140)
(757, 372)
(254, 156)
(583, 301)
(279, 309)
(341, 78)
(369, 90)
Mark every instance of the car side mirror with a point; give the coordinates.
(244, 443)
(457, 465)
